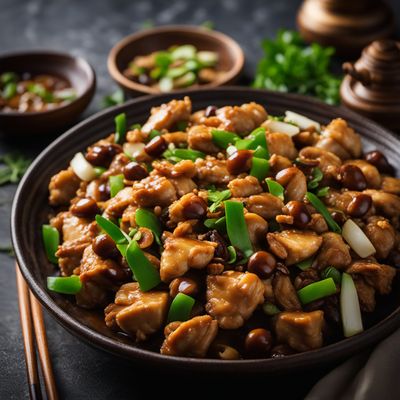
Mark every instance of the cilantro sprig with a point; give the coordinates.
(15, 165)
(217, 197)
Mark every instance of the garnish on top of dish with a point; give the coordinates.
(227, 232)
(175, 68)
(33, 93)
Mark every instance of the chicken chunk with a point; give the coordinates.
(257, 227)
(137, 313)
(63, 187)
(179, 208)
(211, 170)
(184, 168)
(200, 138)
(266, 205)
(302, 331)
(278, 163)
(294, 246)
(180, 254)
(115, 207)
(245, 187)
(232, 297)
(331, 145)
(167, 115)
(333, 252)
(387, 203)
(191, 338)
(183, 185)
(154, 191)
(282, 145)
(284, 292)
(381, 234)
(370, 172)
(329, 163)
(391, 185)
(294, 182)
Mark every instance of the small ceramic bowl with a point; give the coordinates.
(75, 70)
(231, 57)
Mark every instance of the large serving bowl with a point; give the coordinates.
(30, 210)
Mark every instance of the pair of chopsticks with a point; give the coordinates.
(32, 324)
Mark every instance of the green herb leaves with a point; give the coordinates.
(216, 198)
(15, 166)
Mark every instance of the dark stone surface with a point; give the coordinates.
(89, 29)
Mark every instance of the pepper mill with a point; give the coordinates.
(372, 84)
(347, 25)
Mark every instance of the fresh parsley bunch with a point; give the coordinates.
(289, 65)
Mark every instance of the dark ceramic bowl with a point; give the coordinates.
(231, 58)
(75, 70)
(30, 210)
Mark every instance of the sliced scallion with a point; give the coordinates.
(332, 272)
(320, 207)
(350, 307)
(305, 264)
(317, 177)
(317, 290)
(65, 285)
(270, 309)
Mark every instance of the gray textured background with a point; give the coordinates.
(89, 28)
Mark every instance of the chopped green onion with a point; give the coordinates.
(122, 249)
(116, 184)
(216, 223)
(183, 154)
(350, 307)
(332, 272)
(243, 144)
(223, 138)
(51, 240)
(8, 77)
(166, 84)
(154, 133)
(120, 128)
(237, 228)
(176, 72)
(41, 91)
(145, 272)
(182, 125)
(135, 126)
(357, 239)
(320, 207)
(68, 94)
(232, 254)
(99, 171)
(260, 152)
(113, 99)
(323, 191)
(207, 58)
(66, 284)
(147, 219)
(180, 308)
(317, 290)
(305, 264)
(112, 230)
(10, 90)
(270, 309)
(217, 197)
(259, 168)
(317, 177)
(185, 52)
(185, 80)
(133, 232)
(275, 188)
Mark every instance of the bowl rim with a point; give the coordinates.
(308, 359)
(127, 83)
(82, 64)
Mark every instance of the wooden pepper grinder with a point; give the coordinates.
(372, 84)
(347, 25)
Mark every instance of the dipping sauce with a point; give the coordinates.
(33, 93)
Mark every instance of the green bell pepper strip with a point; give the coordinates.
(183, 154)
(317, 290)
(236, 227)
(275, 188)
(180, 308)
(260, 152)
(259, 168)
(320, 207)
(66, 284)
(332, 272)
(147, 219)
(223, 138)
(10, 90)
(120, 128)
(51, 240)
(116, 184)
(144, 271)
(258, 138)
(112, 230)
(243, 144)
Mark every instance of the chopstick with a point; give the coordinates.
(31, 311)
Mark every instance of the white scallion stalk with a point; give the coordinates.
(82, 168)
(207, 57)
(357, 239)
(350, 307)
(301, 121)
(281, 127)
(133, 149)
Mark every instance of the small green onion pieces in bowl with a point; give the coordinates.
(180, 308)
(65, 285)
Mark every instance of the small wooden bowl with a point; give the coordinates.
(75, 70)
(231, 57)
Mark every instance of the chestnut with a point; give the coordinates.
(104, 246)
(85, 208)
(352, 177)
(258, 343)
(359, 206)
(239, 161)
(133, 171)
(298, 210)
(262, 264)
(156, 146)
(379, 160)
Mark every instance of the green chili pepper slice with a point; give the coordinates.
(275, 188)
(148, 219)
(120, 128)
(112, 230)
(116, 184)
(320, 207)
(259, 168)
(51, 240)
(223, 138)
(180, 308)
(65, 284)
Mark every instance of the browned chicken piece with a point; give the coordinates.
(191, 338)
(265, 204)
(184, 168)
(370, 172)
(136, 136)
(294, 246)
(232, 297)
(333, 252)
(329, 163)
(211, 170)
(302, 331)
(344, 135)
(391, 185)
(128, 218)
(154, 191)
(379, 276)
(200, 138)
(137, 313)
(167, 115)
(341, 200)
(199, 118)
(294, 182)
(282, 145)
(318, 224)
(257, 227)
(183, 185)
(309, 137)
(386, 203)
(180, 254)
(177, 138)
(278, 163)
(245, 187)
(331, 145)
(63, 187)
(242, 119)
(93, 190)
(116, 166)
(366, 294)
(284, 292)
(381, 234)
(189, 206)
(115, 207)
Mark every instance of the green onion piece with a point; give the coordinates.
(113, 99)
(260, 152)
(8, 77)
(154, 133)
(317, 290)
(185, 80)
(320, 207)
(332, 272)
(317, 177)
(185, 52)
(120, 128)
(116, 184)
(10, 90)
(258, 138)
(275, 188)
(122, 249)
(305, 264)
(163, 59)
(243, 144)
(183, 154)
(232, 254)
(223, 138)
(217, 197)
(99, 171)
(176, 72)
(41, 91)
(145, 272)
(133, 232)
(135, 126)
(112, 230)
(259, 168)
(323, 191)
(148, 219)
(51, 240)
(66, 284)
(350, 307)
(180, 308)
(166, 84)
(270, 309)
(236, 227)
(216, 223)
(182, 125)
